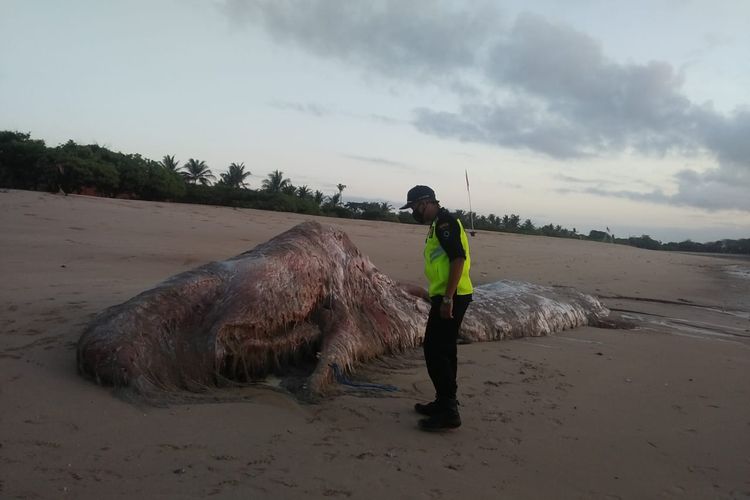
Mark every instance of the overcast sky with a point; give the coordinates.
(585, 113)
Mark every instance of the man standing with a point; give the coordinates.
(446, 265)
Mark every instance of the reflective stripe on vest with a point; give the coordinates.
(437, 265)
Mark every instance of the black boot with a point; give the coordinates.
(431, 408)
(428, 409)
(445, 418)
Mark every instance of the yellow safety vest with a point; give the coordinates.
(437, 265)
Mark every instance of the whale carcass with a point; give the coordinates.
(306, 297)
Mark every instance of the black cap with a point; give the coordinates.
(418, 193)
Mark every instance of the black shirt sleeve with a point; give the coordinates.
(449, 235)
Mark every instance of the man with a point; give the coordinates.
(446, 266)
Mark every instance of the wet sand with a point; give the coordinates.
(662, 411)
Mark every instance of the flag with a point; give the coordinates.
(468, 191)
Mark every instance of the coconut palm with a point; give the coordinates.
(341, 188)
(235, 176)
(319, 197)
(275, 182)
(289, 189)
(195, 171)
(304, 191)
(170, 164)
(334, 200)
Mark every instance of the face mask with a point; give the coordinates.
(418, 213)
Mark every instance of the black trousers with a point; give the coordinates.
(440, 353)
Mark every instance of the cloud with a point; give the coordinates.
(707, 190)
(598, 104)
(536, 85)
(320, 111)
(728, 137)
(714, 190)
(601, 182)
(304, 108)
(388, 120)
(728, 186)
(517, 125)
(392, 37)
(379, 161)
(510, 185)
(565, 99)
(578, 180)
(655, 196)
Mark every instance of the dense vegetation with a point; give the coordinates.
(27, 163)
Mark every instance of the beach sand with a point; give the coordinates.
(662, 411)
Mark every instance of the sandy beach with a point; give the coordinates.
(662, 411)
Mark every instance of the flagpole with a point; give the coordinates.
(471, 212)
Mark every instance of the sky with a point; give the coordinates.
(585, 113)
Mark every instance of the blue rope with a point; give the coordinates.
(343, 380)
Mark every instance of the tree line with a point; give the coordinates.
(27, 163)
(726, 246)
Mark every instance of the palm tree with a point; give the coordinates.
(235, 176)
(386, 208)
(275, 182)
(341, 188)
(197, 171)
(334, 200)
(289, 189)
(318, 197)
(170, 164)
(304, 191)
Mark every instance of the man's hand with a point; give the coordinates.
(446, 310)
